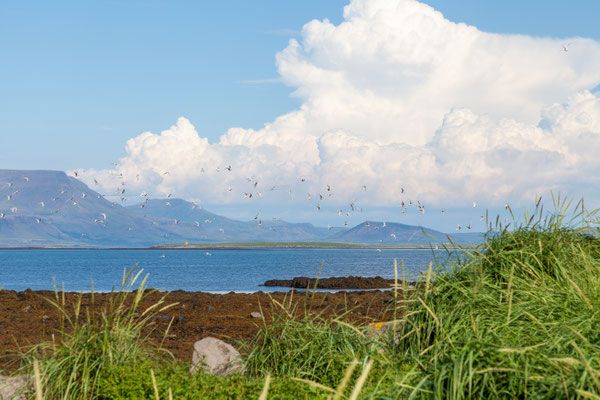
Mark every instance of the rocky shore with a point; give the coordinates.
(28, 318)
(346, 282)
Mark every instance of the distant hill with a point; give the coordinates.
(205, 226)
(51, 209)
(389, 233)
(48, 208)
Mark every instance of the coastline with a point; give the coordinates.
(261, 246)
(28, 318)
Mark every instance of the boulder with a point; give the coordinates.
(216, 357)
(11, 387)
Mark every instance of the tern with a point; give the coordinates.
(26, 179)
(38, 220)
(42, 204)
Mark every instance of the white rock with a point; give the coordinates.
(216, 357)
(256, 314)
(11, 387)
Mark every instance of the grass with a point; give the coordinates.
(518, 317)
(90, 341)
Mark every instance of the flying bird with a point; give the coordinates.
(26, 179)
(42, 204)
(566, 47)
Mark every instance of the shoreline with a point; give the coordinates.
(28, 318)
(266, 247)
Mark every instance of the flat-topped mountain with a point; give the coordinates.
(51, 209)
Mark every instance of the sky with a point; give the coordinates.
(445, 103)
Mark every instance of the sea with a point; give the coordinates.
(215, 271)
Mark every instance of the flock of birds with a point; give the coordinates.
(253, 189)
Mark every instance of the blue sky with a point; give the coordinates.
(82, 78)
(79, 78)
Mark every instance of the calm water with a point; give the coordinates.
(195, 270)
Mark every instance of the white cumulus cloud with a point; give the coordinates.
(398, 97)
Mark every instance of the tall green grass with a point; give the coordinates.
(519, 318)
(89, 341)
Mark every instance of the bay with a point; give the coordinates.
(216, 271)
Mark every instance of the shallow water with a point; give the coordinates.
(217, 271)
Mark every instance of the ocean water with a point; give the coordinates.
(217, 271)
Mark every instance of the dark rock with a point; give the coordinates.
(348, 282)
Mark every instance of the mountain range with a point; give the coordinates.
(51, 209)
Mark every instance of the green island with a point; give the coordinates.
(302, 245)
(518, 317)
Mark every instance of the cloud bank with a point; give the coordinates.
(406, 102)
